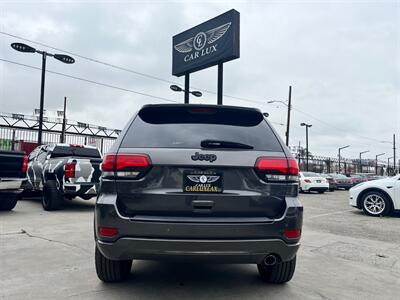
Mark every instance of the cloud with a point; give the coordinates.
(342, 60)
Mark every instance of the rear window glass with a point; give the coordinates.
(186, 127)
(63, 151)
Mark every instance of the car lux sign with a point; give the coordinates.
(205, 45)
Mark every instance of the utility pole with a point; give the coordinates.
(288, 115)
(62, 137)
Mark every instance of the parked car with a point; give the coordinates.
(63, 171)
(207, 183)
(377, 197)
(310, 181)
(332, 182)
(356, 179)
(13, 166)
(342, 181)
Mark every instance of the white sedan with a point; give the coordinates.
(377, 197)
(310, 181)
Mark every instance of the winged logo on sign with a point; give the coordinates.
(201, 39)
(203, 178)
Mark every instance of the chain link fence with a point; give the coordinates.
(322, 164)
(18, 138)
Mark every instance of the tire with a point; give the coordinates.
(8, 201)
(376, 204)
(111, 270)
(321, 192)
(279, 273)
(52, 198)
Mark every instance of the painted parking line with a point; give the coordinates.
(329, 214)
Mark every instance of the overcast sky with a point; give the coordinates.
(341, 57)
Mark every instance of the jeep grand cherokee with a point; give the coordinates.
(198, 183)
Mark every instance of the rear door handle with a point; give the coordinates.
(202, 205)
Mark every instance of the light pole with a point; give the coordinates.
(340, 149)
(361, 153)
(62, 137)
(389, 158)
(177, 88)
(61, 57)
(376, 162)
(307, 126)
(394, 151)
(289, 107)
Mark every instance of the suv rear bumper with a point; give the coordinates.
(216, 251)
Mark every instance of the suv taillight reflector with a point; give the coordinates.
(292, 233)
(125, 165)
(25, 164)
(108, 231)
(277, 169)
(69, 171)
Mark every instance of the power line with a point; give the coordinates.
(90, 81)
(159, 79)
(123, 68)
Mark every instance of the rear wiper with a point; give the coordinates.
(223, 144)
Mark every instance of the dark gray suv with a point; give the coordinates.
(198, 183)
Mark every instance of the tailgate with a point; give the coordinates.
(87, 170)
(170, 188)
(11, 164)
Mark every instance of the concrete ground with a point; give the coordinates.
(344, 255)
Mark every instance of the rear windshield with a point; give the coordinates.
(63, 151)
(186, 127)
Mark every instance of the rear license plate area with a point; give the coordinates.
(202, 182)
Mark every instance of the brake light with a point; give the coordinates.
(307, 180)
(69, 171)
(277, 169)
(108, 231)
(292, 233)
(25, 164)
(125, 165)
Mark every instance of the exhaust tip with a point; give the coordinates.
(270, 260)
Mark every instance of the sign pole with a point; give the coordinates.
(220, 83)
(42, 98)
(187, 88)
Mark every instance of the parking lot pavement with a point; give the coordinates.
(344, 255)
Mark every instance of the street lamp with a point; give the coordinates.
(389, 158)
(376, 162)
(361, 153)
(394, 151)
(177, 88)
(61, 57)
(289, 107)
(340, 149)
(307, 126)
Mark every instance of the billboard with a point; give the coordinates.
(205, 45)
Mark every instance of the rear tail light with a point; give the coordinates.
(307, 180)
(108, 231)
(292, 233)
(69, 171)
(277, 169)
(25, 164)
(125, 165)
